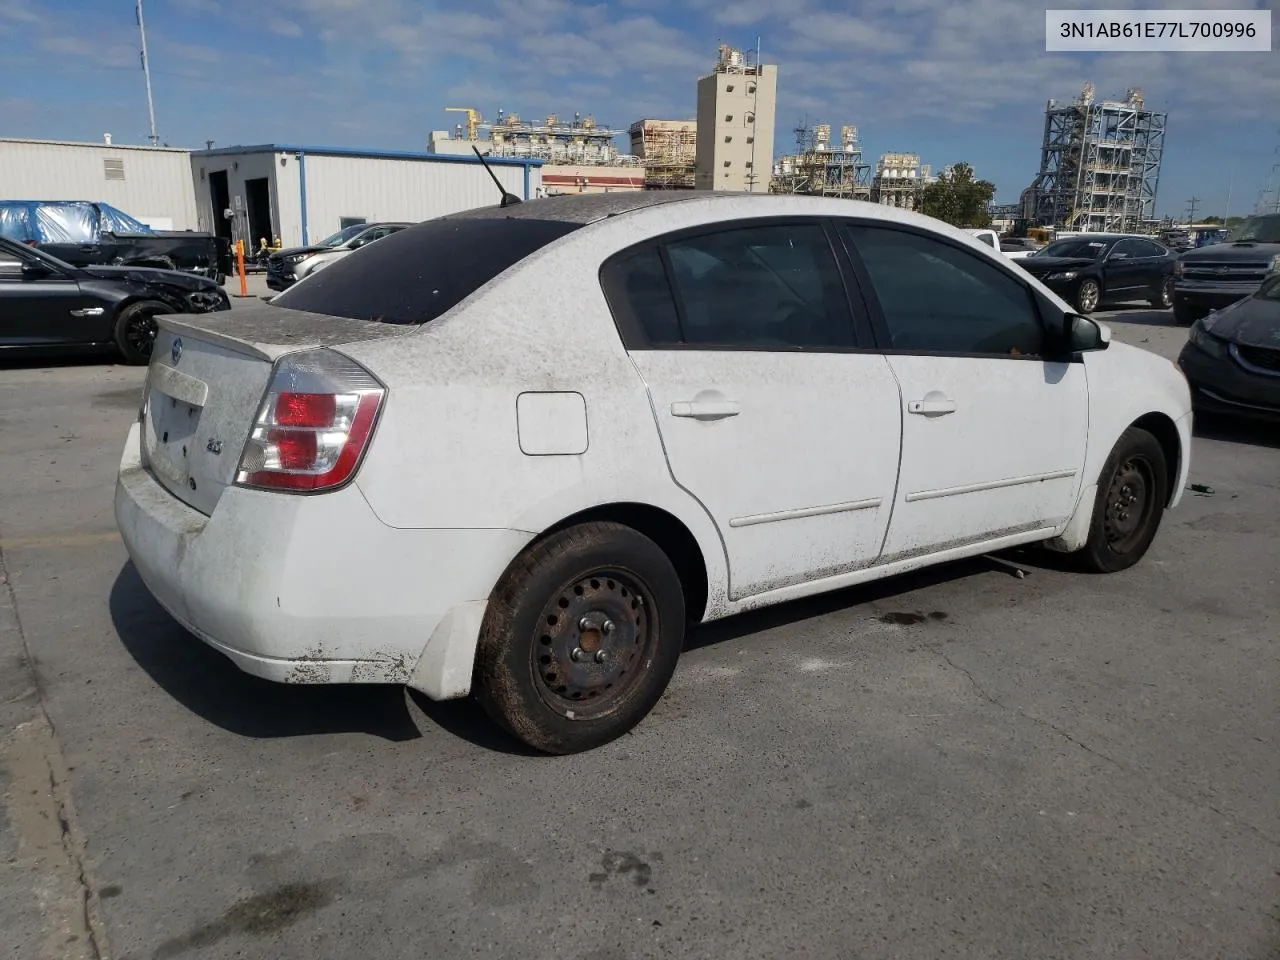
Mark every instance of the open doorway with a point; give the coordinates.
(257, 194)
(220, 200)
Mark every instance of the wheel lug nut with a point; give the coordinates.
(584, 624)
(577, 654)
(599, 656)
(608, 626)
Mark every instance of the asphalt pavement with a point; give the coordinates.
(959, 763)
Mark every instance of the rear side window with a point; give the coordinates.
(774, 287)
(636, 287)
(419, 273)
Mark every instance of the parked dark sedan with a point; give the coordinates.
(1096, 268)
(47, 305)
(1232, 356)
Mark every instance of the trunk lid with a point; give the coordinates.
(207, 379)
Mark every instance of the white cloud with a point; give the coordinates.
(284, 28)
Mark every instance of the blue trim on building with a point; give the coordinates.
(364, 154)
(302, 190)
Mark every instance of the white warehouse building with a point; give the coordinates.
(151, 184)
(300, 195)
(294, 194)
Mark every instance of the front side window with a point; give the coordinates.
(775, 286)
(936, 298)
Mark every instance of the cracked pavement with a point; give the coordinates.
(957, 763)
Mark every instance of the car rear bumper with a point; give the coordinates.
(1220, 385)
(313, 589)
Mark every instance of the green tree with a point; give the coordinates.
(958, 198)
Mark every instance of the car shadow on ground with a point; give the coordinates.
(212, 687)
(797, 611)
(1258, 433)
(54, 361)
(1139, 313)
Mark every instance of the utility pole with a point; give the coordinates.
(146, 73)
(1191, 209)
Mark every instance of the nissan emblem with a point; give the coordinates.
(176, 350)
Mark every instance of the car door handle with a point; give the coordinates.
(931, 407)
(704, 409)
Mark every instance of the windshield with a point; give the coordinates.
(419, 273)
(1073, 247)
(342, 236)
(1257, 229)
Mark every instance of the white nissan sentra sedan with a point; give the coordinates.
(515, 451)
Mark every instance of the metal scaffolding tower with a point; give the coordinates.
(1099, 164)
(824, 169)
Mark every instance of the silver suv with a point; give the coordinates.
(287, 267)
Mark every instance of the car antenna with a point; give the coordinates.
(507, 198)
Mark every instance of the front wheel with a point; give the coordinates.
(1133, 489)
(1164, 299)
(1088, 296)
(580, 638)
(135, 330)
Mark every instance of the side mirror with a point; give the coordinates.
(1081, 334)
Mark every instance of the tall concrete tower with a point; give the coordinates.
(736, 108)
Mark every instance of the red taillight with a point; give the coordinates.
(314, 425)
(306, 409)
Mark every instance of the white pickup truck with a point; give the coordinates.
(1014, 250)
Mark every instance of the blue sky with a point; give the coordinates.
(949, 79)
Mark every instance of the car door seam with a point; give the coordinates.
(897, 474)
(657, 425)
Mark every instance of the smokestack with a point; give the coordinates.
(107, 138)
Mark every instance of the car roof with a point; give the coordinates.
(584, 208)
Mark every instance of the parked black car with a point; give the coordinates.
(48, 305)
(1232, 356)
(86, 233)
(1222, 273)
(1096, 268)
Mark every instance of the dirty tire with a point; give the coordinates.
(533, 630)
(1088, 296)
(135, 330)
(1133, 489)
(1163, 299)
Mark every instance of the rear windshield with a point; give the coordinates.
(421, 272)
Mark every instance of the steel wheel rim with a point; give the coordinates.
(141, 333)
(1088, 295)
(593, 640)
(1166, 293)
(1129, 504)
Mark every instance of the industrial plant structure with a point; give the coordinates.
(737, 103)
(668, 150)
(1099, 164)
(578, 155)
(823, 168)
(900, 179)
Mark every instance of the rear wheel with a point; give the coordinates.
(580, 638)
(1133, 489)
(135, 331)
(1164, 299)
(1088, 295)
